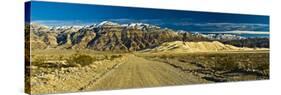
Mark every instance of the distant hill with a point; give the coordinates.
(250, 42)
(179, 46)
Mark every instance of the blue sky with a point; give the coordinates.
(59, 14)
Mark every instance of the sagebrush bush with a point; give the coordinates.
(80, 59)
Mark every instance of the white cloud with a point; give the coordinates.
(242, 32)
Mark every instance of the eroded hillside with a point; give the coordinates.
(106, 36)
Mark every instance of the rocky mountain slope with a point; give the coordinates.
(105, 36)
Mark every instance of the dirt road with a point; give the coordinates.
(138, 72)
(131, 71)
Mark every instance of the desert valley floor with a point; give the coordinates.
(142, 69)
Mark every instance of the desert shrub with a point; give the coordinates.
(262, 66)
(111, 57)
(60, 58)
(115, 56)
(226, 66)
(80, 59)
(225, 62)
(39, 60)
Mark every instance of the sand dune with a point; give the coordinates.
(179, 46)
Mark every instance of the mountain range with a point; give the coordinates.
(105, 36)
